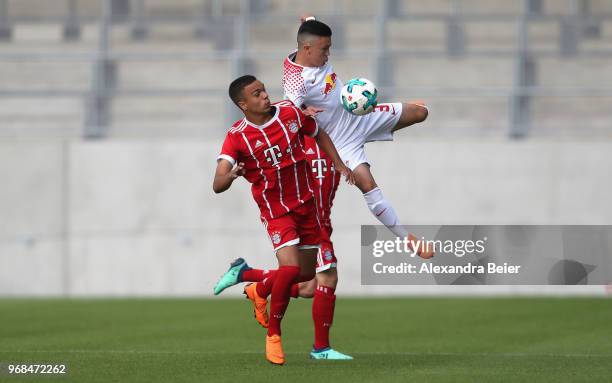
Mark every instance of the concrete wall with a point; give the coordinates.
(140, 218)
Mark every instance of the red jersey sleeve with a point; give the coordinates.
(229, 150)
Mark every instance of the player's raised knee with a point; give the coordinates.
(418, 112)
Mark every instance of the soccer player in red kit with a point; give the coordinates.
(267, 148)
(325, 179)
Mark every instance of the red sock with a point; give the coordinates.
(265, 287)
(323, 315)
(253, 275)
(263, 290)
(281, 293)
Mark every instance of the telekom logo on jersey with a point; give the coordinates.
(273, 155)
(319, 167)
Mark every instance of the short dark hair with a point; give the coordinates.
(315, 28)
(238, 85)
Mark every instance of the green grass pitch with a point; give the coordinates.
(392, 340)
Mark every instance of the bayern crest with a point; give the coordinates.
(328, 255)
(293, 126)
(276, 238)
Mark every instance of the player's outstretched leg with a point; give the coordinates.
(378, 205)
(232, 276)
(382, 209)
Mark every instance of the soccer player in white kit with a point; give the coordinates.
(310, 82)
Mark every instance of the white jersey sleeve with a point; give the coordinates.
(293, 83)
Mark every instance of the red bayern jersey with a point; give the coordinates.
(326, 178)
(274, 159)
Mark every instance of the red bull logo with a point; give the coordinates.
(330, 83)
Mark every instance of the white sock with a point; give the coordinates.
(383, 211)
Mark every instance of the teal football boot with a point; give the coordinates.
(329, 354)
(232, 277)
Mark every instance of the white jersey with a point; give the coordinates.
(320, 87)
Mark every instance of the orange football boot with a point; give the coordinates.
(259, 304)
(274, 350)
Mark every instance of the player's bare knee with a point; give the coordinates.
(414, 114)
(364, 179)
(328, 278)
(421, 113)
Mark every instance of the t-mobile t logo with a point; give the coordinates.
(273, 154)
(319, 167)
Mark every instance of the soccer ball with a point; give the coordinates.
(358, 96)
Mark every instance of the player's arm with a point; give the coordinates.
(298, 100)
(225, 175)
(311, 111)
(328, 147)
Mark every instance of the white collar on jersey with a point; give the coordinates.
(267, 123)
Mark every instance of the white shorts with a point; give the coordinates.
(376, 126)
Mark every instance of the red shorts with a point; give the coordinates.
(299, 226)
(326, 258)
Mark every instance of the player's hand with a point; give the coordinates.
(238, 171)
(347, 173)
(311, 111)
(304, 17)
